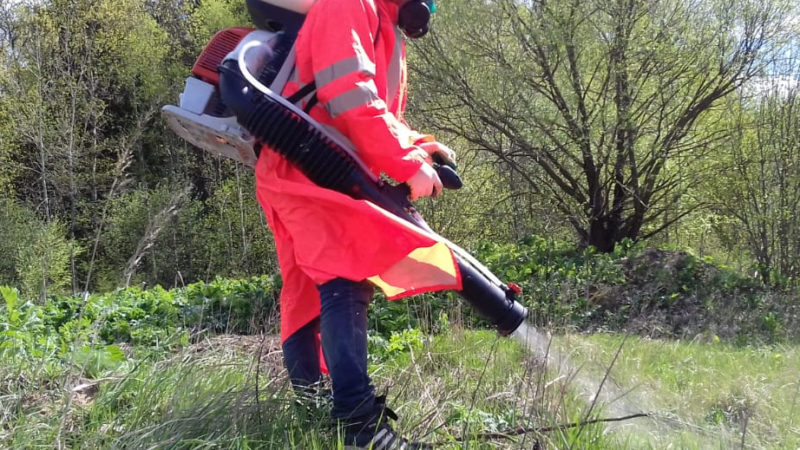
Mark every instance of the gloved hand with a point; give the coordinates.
(447, 155)
(424, 183)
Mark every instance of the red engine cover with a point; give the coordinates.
(220, 45)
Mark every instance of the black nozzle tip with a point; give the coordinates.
(513, 319)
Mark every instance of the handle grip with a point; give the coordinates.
(446, 170)
(449, 177)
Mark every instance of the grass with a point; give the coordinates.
(704, 395)
(450, 390)
(459, 389)
(469, 384)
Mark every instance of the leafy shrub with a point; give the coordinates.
(98, 361)
(556, 279)
(23, 335)
(398, 342)
(642, 290)
(157, 318)
(36, 254)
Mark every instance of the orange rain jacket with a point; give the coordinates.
(356, 54)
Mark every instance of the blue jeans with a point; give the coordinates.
(343, 326)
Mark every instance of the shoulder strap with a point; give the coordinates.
(305, 90)
(312, 87)
(285, 71)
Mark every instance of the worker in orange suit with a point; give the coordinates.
(333, 249)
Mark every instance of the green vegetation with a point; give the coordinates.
(97, 194)
(704, 393)
(456, 387)
(190, 367)
(633, 165)
(128, 374)
(645, 291)
(214, 393)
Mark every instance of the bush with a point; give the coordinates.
(557, 280)
(157, 318)
(23, 335)
(224, 235)
(36, 254)
(647, 291)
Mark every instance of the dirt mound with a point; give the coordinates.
(267, 348)
(675, 294)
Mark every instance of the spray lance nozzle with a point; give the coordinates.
(497, 303)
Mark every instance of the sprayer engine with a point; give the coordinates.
(201, 117)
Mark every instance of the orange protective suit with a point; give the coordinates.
(356, 55)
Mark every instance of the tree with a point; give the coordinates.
(36, 254)
(6, 138)
(763, 193)
(600, 106)
(83, 149)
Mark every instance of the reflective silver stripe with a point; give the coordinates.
(364, 93)
(377, 441)
(359, 63)
(395, 69)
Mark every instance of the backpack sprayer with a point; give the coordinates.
(231, 105)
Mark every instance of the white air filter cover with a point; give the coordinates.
(299, 6)
(221, 136)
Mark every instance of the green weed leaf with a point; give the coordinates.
(115, 354)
